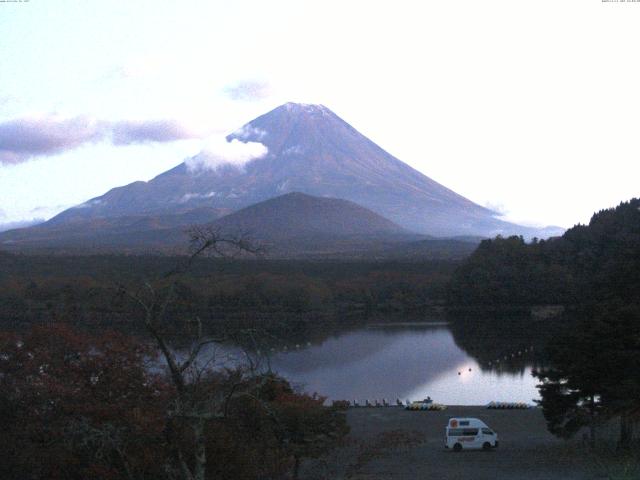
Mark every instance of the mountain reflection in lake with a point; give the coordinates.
(407, 362)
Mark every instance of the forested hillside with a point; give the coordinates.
(596, 261)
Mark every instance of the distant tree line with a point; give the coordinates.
(81, 290)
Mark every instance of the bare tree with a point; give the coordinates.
(197, 399)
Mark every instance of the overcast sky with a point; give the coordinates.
(529, 107)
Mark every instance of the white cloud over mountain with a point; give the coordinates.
(219, 152)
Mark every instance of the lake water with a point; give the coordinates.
(406, 362)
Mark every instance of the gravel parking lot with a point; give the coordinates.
(527, 451)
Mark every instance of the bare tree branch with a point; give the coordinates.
(194, 402)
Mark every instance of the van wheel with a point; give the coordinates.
(457, 447)
(486, 446)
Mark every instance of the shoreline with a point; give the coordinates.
(408, 324)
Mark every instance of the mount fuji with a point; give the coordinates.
(307, 149)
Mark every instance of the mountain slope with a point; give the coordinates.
(128, 233)
(300, 215)
(301, 225)
(310, 150)
(293, 224)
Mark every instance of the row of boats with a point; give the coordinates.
(428, 404)
(509, 405)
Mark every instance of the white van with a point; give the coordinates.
(469, 433)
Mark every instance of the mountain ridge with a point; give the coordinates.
(289, 226)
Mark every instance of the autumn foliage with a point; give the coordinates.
(75, 405)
